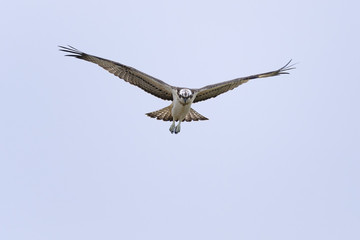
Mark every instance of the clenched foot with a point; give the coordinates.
(177, 129)
(172, 128)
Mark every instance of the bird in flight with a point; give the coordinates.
(180, 109)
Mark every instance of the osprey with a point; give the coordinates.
(180, 109)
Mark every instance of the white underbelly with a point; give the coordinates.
(180, 111)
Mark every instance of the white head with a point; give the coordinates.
(185, 94)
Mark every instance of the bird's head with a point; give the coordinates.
(185, 95)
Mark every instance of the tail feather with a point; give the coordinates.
(162, 114)
(194, 116)
(165, 115)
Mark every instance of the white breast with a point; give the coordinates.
(179, 111)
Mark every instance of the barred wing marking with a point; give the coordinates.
(131, 75)
(214, 90)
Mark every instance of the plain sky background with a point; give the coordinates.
(278, 159)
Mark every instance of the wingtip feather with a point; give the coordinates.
(287, 67)
(69, 49)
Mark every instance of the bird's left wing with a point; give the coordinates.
(214, 90)
(131, 75)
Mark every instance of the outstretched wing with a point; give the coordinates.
(214, 90)
(146, 82)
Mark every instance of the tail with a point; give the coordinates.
(162, 114)
(165, 115)
(194, 116)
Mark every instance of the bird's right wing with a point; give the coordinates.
(135, 77)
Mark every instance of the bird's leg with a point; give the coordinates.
(172, 127)
(178, 127)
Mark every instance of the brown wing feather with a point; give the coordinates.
(135, 77)
(214, 90)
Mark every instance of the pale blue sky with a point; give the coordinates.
(278, 159)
